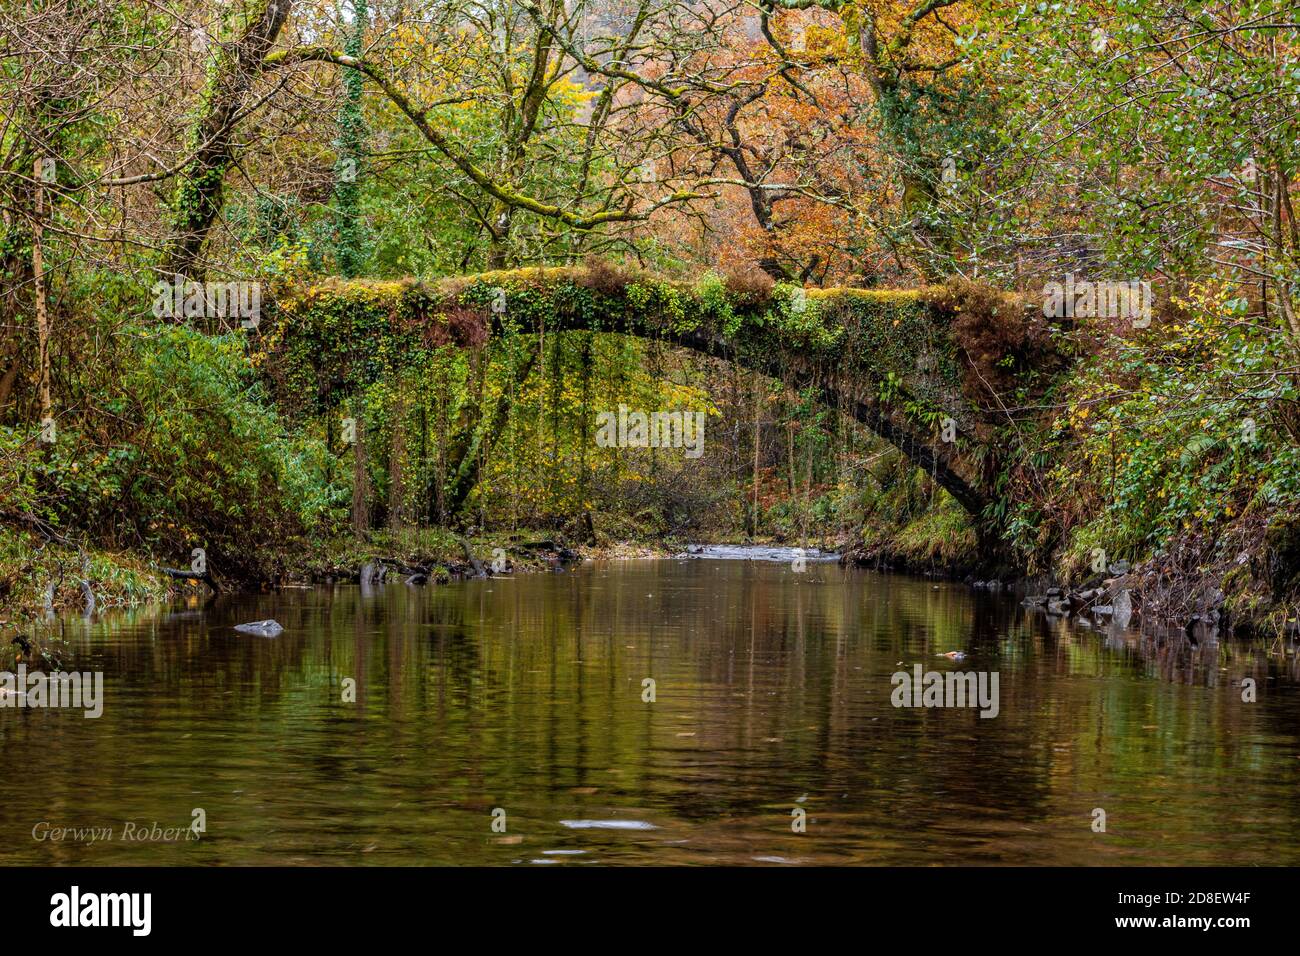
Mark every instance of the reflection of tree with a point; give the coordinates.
(526, 693)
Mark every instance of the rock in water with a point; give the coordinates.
(266, 628)
(1123, 608)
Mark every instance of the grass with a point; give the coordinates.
(941, 538)
(29, 565)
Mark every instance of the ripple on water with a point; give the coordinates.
(608, 825)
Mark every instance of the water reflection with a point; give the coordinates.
(772, 692)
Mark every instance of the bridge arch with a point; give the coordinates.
(898, 361)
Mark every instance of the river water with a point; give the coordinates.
(522, 702)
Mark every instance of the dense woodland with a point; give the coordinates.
(736, 166)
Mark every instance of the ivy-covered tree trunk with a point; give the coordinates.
(200, 185)
(349, 252)
(439, 513)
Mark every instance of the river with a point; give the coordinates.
(508, 721)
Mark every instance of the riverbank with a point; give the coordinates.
(1252, 596)
(41, 575)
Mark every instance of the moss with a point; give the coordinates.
(942, 538)
(1240, 596)
(878, 297)
(1282, 543)
(870, 336)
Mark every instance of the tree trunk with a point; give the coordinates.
(397, 465)
(348, 253)
(360, 476)
(200, 186)
(758, 411)
(42, 315)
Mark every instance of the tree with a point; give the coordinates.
(349, 251)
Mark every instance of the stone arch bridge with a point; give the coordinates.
(929, 370)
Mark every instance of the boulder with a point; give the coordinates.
(267, 628)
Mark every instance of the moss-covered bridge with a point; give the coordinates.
(928, 370)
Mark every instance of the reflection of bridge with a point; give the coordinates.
(890, 359)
